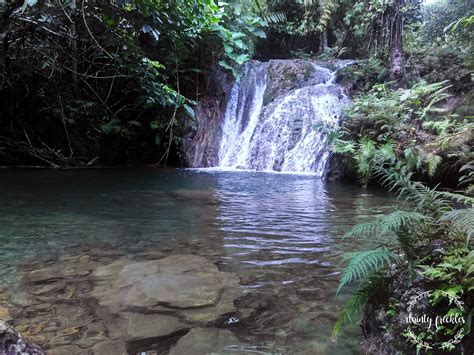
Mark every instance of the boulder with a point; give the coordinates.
(11, 342)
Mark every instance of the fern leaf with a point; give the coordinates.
(461, 220)
(351, 309)
(391, 222)
(361, 264)
(433, 162)
(458, 198)
(343, 147)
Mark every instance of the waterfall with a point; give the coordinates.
(278, 117)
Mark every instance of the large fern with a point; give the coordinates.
(467, 178)
(429, 210)
(360, 264)
(460, 221)
(433, 162)
(415, 194)
(352, 308)
(391, 222)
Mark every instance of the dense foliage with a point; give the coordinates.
(409, 138)
(114, 82)
(405, 242)
(109, 82)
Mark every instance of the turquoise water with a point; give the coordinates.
(282, 235)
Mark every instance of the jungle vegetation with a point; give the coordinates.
(414, 136)
(86, 83)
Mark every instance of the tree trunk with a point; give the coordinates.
(5, 18)
(323, 41)
(74, 58)
(397, 60)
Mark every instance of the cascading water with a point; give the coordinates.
(278, 117)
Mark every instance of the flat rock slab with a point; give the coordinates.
(137, 326)
(177, 282)
(201, 341)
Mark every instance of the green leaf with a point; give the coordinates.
(242, 58)
(189, 110)
(259, 33)
(154, 125)
(134, 123)
(225, 65)
(362, 263)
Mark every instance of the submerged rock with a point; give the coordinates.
(177, 282)
(110, 347)
(209, 341)
(136, 326)
(122, 307)
(5, 314)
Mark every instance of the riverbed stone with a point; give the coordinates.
(208, 341)
(46, 274)
(49, 288)
(136, 326)
(176, 282)
(66, 350)
(109, 347)
(4, 293)
(5, 314)
(210, 314)
(87, 342)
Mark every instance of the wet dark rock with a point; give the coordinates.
(12, 342)
(338, 169)
(209, 112)
(286, 75)
(383, 330)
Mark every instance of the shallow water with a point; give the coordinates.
(281, 234)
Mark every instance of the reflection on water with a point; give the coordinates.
(281, 234)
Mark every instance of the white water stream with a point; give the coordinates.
(290, 134)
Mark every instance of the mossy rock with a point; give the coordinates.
(284, 76)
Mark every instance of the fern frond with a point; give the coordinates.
(467, 167)
(467, 200)
(343, 147)
(461, 221)
(391, 222)
(274, 17)
(440, 127)
(351, 309)
(432, 163)
(386, 152)
(361, 264)
(425, 199)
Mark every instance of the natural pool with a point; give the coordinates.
(74, 243)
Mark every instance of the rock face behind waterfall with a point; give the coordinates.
(276, 118)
